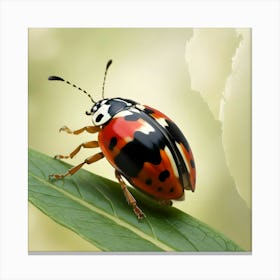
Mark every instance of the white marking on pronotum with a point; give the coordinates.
(183, 156)
(104, 111)
(172, 162)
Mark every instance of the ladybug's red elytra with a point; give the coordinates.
(142, 144)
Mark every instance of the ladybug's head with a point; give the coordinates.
(105, 109)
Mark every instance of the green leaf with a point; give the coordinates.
(95, 208)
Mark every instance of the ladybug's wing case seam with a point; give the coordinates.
(182, 168)
(141, 142)
(179, 145)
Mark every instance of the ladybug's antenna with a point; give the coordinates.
(56, 78)
(107, 66)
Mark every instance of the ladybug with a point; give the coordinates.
(143, 145)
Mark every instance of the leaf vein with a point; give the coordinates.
(118, 221)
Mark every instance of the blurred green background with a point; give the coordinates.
(201, 78)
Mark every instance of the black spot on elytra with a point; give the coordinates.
(163, 175)
(171, 190)
(148, 181)
(159, 189)
(143, 148)
(99, 117)
(113, 143)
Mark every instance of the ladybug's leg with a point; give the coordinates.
(130, 199)
(89, 129)
(74, 169)
(91, 144)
